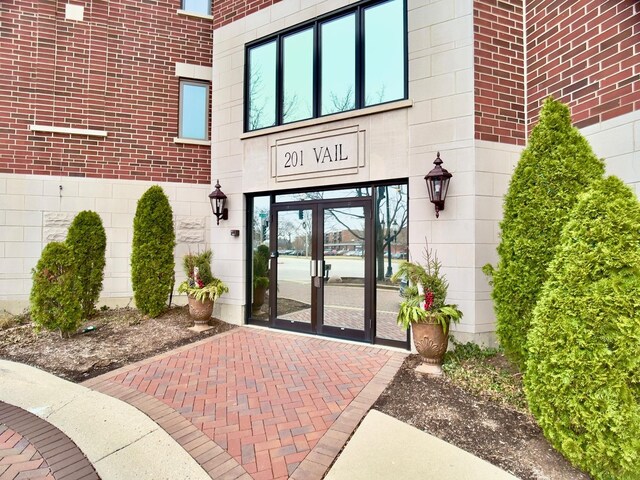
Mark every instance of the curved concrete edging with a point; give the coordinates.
(118, 440)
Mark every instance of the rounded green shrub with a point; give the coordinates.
(583, 372)
(152, 261)
(55, 301)
(556, 165)
(87, 241)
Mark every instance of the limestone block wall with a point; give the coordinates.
(36, 210)
(399, 140)
(618, 142)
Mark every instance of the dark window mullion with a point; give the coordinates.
(319, 73)
(406, 49)
(360, 39)
(316, 70)
(279, 81)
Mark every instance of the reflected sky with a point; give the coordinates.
(297, 102)
(194, 111)
(197, 6)
(384, 52)
(338, 65)
(262, 85)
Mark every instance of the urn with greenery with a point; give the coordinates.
(201, 287)
(424, 307)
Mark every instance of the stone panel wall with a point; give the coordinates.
(36, 211)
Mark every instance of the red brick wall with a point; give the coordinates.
(114, 71)
(585, 53)
(499, 71)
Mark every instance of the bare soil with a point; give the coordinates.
(500, 435)
(476, 422)
(119, 337)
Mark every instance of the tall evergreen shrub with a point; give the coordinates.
(152, 261)
(87, 241)
(55, 300)
(583, 371)
(557, 164)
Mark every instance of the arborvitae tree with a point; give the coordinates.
(583, 371)
(152, 261)
(556, 165)
(55, 300)
(87, 241)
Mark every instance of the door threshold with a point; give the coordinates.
(332, 339)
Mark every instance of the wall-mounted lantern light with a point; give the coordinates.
(438, 184)
(218, 204)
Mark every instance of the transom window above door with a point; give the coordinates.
(350, 59)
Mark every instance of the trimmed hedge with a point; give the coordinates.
(87, 241)
(55, 303)
(557, 164)
(583, 371)
(152, 261)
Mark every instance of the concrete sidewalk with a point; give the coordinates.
(386, 448)
(120, 441)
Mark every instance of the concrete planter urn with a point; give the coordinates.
(259, 292)
(200, 310)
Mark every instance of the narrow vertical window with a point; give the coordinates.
(338, 65)
(262, 86)
(384, 57)
(202, 7)
(194, 110)
(297, 100)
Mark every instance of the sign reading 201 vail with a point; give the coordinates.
(317, 155)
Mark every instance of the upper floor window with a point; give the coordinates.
(194, 110)
(348, 60)
(202, 7)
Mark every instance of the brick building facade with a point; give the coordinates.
(90, 116)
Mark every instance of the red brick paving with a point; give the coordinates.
(31, 448)
(279, 405)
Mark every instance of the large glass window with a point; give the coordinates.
(384, 53)
(194, 110)
(336, 63)
(262, 86)
(297, 57)
(202, 7)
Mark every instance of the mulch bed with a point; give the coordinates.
(500, 435)
(119, 337)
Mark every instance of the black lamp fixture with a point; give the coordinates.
(438, 184)
(218, 202)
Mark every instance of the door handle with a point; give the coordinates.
(313, 268)
(321, 268)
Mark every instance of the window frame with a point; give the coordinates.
(315, 24)
(208, 12)
(200, 83)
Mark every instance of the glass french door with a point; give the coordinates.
(322, 267)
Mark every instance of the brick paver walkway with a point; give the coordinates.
(256, 403)
(31, 448)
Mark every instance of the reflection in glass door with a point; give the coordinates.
(293, 293)
(344, 305)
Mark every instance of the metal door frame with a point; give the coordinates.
(316, 325)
